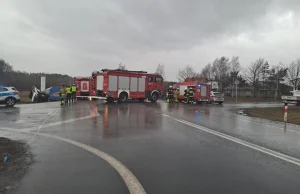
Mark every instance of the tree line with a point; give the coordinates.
(23, 81)
(260, 76)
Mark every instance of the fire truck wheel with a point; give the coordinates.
(154, 97)
(123, 97)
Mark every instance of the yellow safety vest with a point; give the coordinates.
(68, 90)
(74, 89)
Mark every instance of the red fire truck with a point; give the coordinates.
(123, 84)
(84, 85)
(201, 90)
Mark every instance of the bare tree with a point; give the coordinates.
(121, 67)
(277, 74)
(220, 69)
(185, 73)
(235, 65)
(161, 70)
(293, 74)
(253, 73)
(207, 71)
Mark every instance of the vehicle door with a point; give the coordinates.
(3, 93)
(158, 83)
(150, 83)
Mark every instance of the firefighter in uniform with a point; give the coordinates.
(62, 94)
(186, 95)
(191, 95)
(170, 94)
(73, 90)
(176, 94)
(69, 93)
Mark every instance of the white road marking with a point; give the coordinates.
(40, 126)
(270, 152)
(133, 185)
(56, 123)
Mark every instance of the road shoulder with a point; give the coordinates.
(18, 160)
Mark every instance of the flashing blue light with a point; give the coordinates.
(199, 85)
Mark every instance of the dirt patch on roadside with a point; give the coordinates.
(11, 172)
(276, 114)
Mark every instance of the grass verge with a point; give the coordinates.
(249, 99)
(24, 98)
(276, 114)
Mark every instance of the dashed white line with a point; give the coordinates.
(267, 151)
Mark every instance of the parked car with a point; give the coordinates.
(9, 96)
(216, 97)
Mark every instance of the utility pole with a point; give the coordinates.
(265, 71)
(236, 84)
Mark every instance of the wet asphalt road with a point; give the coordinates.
(166, 156)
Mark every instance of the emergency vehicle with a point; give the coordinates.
(84, 86)
(201, 91)
(124, 84)
(9, 96)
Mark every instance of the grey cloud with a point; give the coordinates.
(100, 33)
(136, 24)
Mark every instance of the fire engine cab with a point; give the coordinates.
(123, 84)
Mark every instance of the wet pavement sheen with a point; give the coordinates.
(166, 156)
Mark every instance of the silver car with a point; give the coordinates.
(216, 97)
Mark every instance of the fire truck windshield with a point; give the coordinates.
(158, 79)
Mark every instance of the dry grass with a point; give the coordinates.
(249, 99)
(25, 97)
(276, 114)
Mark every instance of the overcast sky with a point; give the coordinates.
(76, 37)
